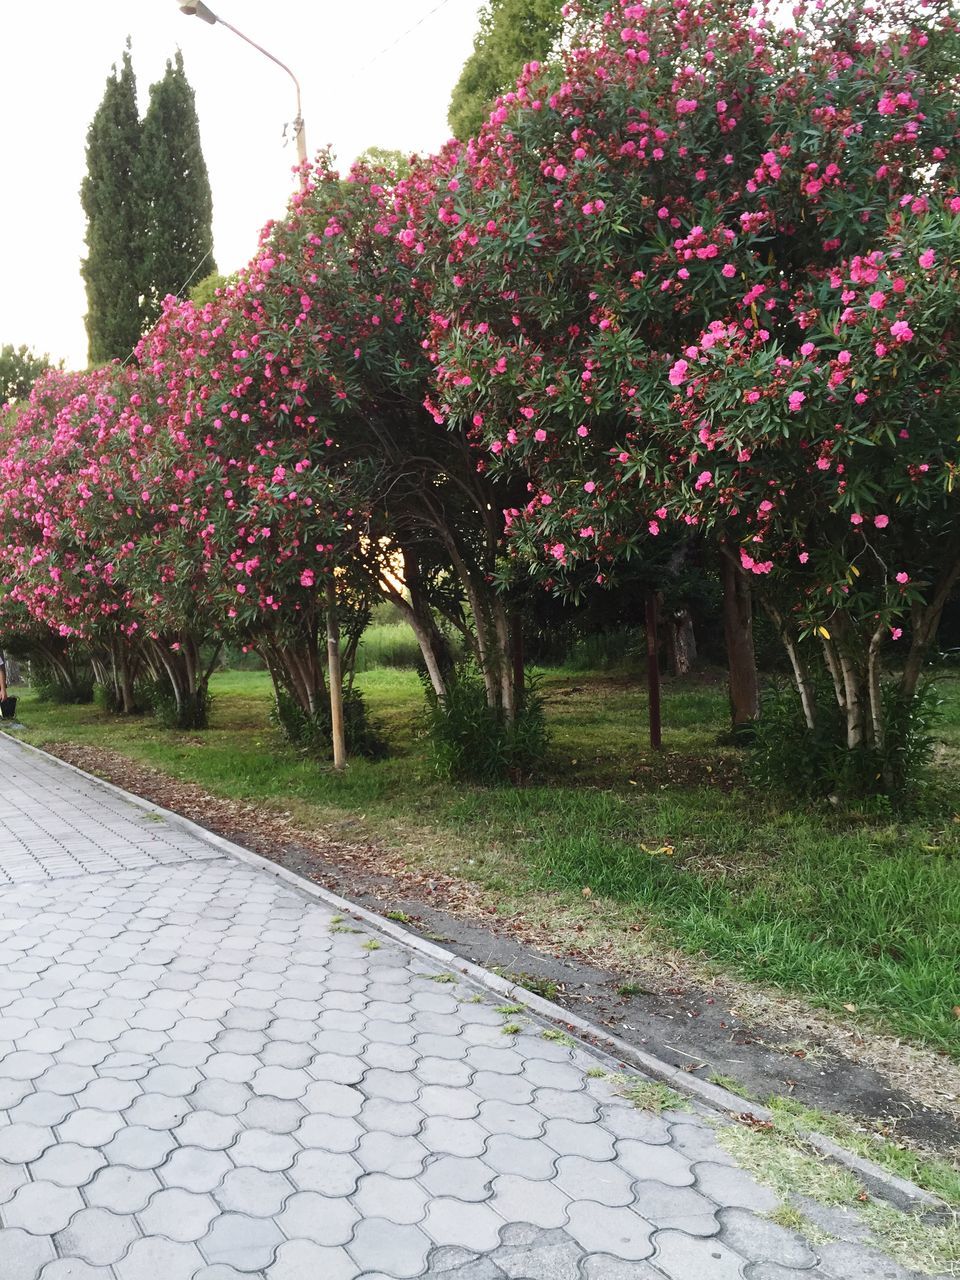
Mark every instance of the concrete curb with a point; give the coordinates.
(880, 1182)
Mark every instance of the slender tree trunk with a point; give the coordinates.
(335, 678)
(801, 676)
(738, 633)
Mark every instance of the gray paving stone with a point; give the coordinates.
(528, 1157)
(67, 1164)
(334, 1133)
(460, 1176)
(249, 1244)
(733, 1188)
(89, 1127)
(385, 1153)
(157, 1259)
(600, 1266)
(42, 1109)
(380, 1245)
(122, 1190)
(621, 1232)
(761, 1240)
(516, 1199)
(453, 1137)
(400, 1200)
(275, 1114)
(603, 1181)
(252, 1191)
(471, 1226)
(271, 1152)
(680, 1257)
(302, 1259)
(97, 1236)
(194, 1169)
(178, 1215)
(74, 1269)
(42, 1208)
(24, 1142)
(773, 1271)
(23, 1254)
(655, 1163)
(140, 1147)
(548, 1255)
(310, 1216)
(332, 1173)
(843, 1261)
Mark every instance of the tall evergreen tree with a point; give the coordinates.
(114, 263)
(174, 191)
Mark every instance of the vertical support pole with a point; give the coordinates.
(335, 677)
(653, 671)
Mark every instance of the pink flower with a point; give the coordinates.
(881, 521)
(903, 578)
(703, 479)
(497, 446)
(804, 557)
(306, 578)
(877, 300)
(856, 518)
(653, 527)
(545, 499)
(558, 551)
(582, 431)
(927, 259)
(589, 487)
(895, 633)
(587, 531)
(540, 435)
(901, 331)
(807, 349)
(729, 271)
(844, 357)
(796, 400)
(678, 373)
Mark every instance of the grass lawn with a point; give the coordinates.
(861, 914)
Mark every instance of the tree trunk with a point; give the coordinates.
(681, 642)
(738, 633)
(653, 671)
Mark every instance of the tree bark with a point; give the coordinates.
(738, 633)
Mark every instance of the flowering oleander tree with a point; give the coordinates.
(337, 304)
(695, 195)
(57, 562)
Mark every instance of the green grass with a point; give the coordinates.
(849, 909)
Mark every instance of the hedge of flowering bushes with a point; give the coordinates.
(694, 282)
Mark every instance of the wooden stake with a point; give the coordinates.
(653, 672)
(335, 678)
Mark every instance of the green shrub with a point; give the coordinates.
(162, 702)
(313, 734)
(810, 763)
(473, 742)
(50, 687)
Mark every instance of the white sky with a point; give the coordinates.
(58, 53)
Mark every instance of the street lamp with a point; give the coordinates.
(195, 8)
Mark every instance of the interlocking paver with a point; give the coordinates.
(23, 1254)
(97, 1236)
(203, 1079)
(680, 1256)
(178, 1215)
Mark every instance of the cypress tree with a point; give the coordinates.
(113, 268)
(174, 191)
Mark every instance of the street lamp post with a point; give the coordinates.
(196, 8)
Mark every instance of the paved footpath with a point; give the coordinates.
(206, 1075)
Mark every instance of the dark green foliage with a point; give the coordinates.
(312, 734)
(192, 713)
(114, 265)
(51, 686)
(511, 33)
(19, 369)
(473, 742)
(812, 763)
(107, 698)
(173, 191)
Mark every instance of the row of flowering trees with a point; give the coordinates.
(693, 286)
